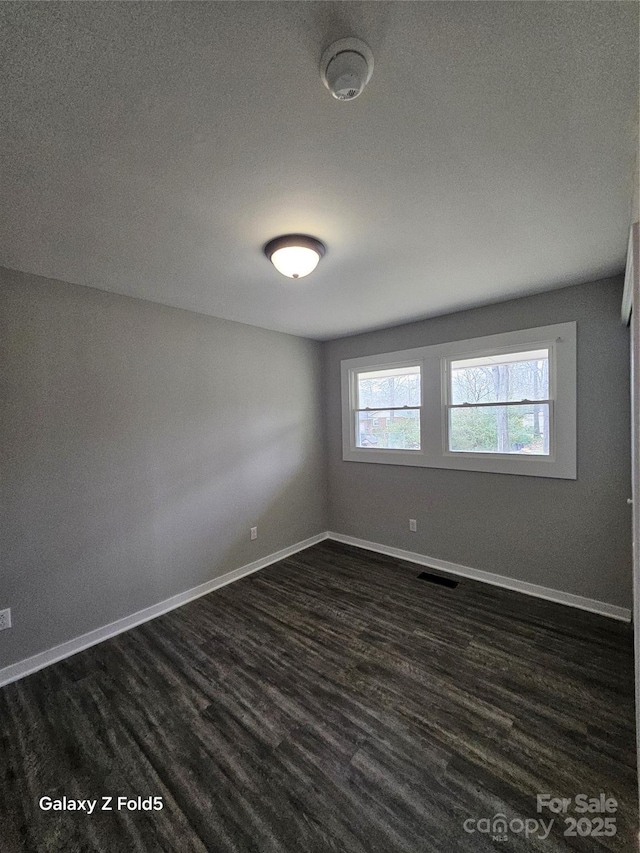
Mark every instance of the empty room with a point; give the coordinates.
(319, 405)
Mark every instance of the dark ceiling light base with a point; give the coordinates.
(302, 247)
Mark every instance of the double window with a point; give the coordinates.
(504, 403)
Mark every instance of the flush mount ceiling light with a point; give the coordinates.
(295, 255)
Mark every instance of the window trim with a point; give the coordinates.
(352, 411)
(434, 361)
(510, 350)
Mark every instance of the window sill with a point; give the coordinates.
(485, 462)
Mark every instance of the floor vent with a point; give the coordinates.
(425, 576)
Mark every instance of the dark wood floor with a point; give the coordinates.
(332, 702)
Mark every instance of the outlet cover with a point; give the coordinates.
(5, 619)
(254, 532)
(413, 526)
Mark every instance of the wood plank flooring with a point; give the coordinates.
(331, 702)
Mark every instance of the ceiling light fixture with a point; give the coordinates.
(295, 255)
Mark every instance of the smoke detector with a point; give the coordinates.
(346, 68)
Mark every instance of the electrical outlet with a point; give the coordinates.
(254, 532)
(5, 619)
(413, 525)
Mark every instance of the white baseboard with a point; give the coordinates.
(71, 647)
(26, 667)
(591, 604)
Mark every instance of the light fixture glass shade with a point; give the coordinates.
(295, 255)
(295, 261)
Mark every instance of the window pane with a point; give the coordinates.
(386, 430)
(396, 386)
(501, 378)
(500, 429)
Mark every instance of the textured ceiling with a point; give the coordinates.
(151, 149)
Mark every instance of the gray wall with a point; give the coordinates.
(139, 444)
(571, 535)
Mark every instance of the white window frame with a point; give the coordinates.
(389, 454)
(434, 361)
